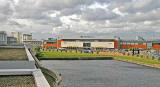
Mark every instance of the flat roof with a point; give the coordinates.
(13, 54)
(17, 81)
(33, 41)
(145, 41)
(88, 37)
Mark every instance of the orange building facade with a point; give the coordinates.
(118, 44)
(53, 44)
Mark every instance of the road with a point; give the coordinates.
(104, 73)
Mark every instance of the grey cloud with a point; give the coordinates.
(140, 6)
(133, 18)
(98, 14)
(89, 21)
(67, 11)
(50, 21)
(5, 10)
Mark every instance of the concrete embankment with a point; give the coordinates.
(53, 77)
(79, 58)
(138, 63)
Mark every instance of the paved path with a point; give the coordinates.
(104, 73)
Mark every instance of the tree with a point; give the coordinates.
(37, 49)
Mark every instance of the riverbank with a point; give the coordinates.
(79, 58)
(86, 56)
(138, 60)
(71, 56)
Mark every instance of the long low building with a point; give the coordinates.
(89, 42)
(140, 44)
(84, 42)
(102, 42)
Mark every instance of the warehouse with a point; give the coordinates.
(102, 42)
(140, 44)
(90, 42)
(84, 42)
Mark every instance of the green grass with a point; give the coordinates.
(67, 55)
(138, 59)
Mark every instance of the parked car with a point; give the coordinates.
(61, 48)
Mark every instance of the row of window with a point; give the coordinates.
(129, 43)
(88, 40)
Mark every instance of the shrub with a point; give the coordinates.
(39, 54)
(153, 57)
(37, 49)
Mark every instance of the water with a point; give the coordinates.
(104, 73)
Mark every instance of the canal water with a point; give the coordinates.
(104, 73)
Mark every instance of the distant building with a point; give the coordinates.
(51, 39)
(84, 42)
(27, 37)
(18, 36)
(89, 42)
(12, 40)
(139, 38)
(50, 43)
(33, 42)
(3, 38)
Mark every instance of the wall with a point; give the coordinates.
(116, 44)
(156, 47)
(127, 46)
(53, 45)
(73, 44)
(93, 44)
(103, 44)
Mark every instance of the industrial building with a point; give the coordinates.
(12, 40)
(27, 37)
(33, 42)
(3, 38)
(85, 42)
(103, 42)
(89, 42)
(17, 35)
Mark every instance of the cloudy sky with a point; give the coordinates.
(49, 18)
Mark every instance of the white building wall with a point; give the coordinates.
(17, 35)
(93, 44)
(103, 44)
(3, 38)
(71, 44)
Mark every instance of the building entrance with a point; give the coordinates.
(86, 44)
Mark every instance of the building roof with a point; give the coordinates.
(33, 41)
(89, 37)
(3, 32)
(13, 54)
(145, 41)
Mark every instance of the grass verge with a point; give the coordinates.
(83, 55)
(68, 55)
(138, 59)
